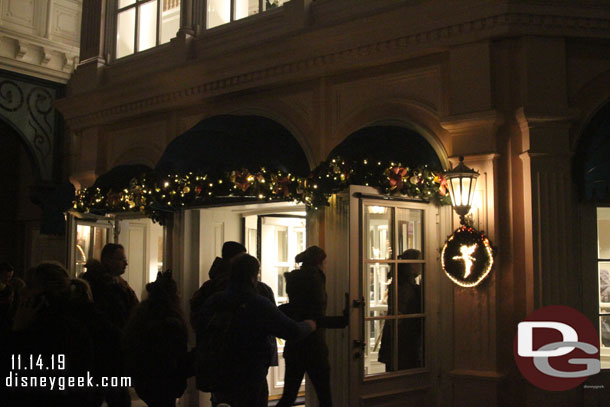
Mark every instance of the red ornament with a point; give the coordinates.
(396, 175)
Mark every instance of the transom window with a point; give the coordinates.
(393, 261)
(220, 12)
(603, 267)
(144, 24)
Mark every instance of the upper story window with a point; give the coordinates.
(224, 11)
(144, 24)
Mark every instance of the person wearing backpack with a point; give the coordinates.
(155, 345)
(234, 353)
(306, 288)
(219, 280)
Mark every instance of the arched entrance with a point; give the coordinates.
(384, 252)
(32, 213)
(18, 174)
(273, 232)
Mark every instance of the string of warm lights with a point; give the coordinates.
(154, 194)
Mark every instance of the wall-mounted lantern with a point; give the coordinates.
(467, 256)
(462, 181)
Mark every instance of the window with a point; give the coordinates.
(224, 11)
(144, 24)
(393, 284)
(91, 237)
(603, 267)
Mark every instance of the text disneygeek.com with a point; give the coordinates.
(15, 380)
(26, 373)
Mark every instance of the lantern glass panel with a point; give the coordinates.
(472, 187)
(456, 188)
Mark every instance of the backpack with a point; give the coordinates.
(215, 353)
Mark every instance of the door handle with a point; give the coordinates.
(359, 344)
(358, 303)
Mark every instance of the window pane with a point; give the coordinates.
(300, 240)
(83, 244)
(125, 37)
(281, 238)
(604, 287)
(100, 238)
(218, 12)
(379, 232)
(410, 293)
(410, 344)
(125, 3)
(281, 282)
(409, 223)
(380, 289)
(245, 8)
(603, 233)
(170, 20)
(378, 349)
(148, 26)
(604, 322)
(270, 4)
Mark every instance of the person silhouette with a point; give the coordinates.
(409, 330)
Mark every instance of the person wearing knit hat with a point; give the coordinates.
(312, 256)
(306, 289)
(220, 275)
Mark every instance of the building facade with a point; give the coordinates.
(39, 48)
(519, 88)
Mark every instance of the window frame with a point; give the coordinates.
(232, 13)
(599, 313)
(396, 316)
(136, 4)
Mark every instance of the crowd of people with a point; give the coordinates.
(97, 323)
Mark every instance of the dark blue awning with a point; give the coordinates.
(119, 177)
(388, 143)
(228, 142)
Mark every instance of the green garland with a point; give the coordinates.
(156, 195)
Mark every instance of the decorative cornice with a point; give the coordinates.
(492, 26)
(37, 57)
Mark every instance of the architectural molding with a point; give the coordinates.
(464, 124)
(501, 24)
(40, 40)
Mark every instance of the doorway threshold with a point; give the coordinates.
(300, 401)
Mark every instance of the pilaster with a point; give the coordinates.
(475, 361)
(548, 200)
(92, 44)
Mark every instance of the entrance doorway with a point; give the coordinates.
(274, 233)
(393, 283)
(142, 239)
(279, 238)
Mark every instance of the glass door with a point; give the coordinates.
(275, 239)
(394, 263)
(603, 267)
(88, 236)
(393, 271)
